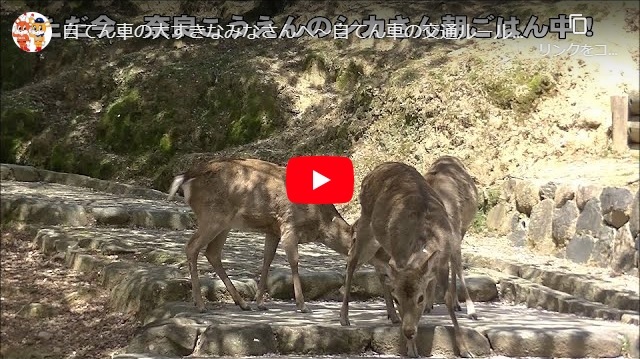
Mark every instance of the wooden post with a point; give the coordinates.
(619, 116)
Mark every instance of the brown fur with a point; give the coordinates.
(457, 191)
(250, 194)
(403, 214)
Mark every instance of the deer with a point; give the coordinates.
(404, 217)
(457, 191)
(250, 194)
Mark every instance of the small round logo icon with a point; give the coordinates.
(31, 32)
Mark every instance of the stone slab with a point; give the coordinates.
(510, 330)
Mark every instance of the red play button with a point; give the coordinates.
(319, 179)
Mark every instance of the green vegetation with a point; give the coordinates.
(17, 126)
(122, 127)
(487, 199)
(17, 67)
(348, 77)
(517, 89)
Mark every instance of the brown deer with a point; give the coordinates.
(457, 191)
(404, 215)
(250, 194)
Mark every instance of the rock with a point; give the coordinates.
(601, 255)
(236, 340)
(46, 213)
(321, 340)
(564, 192)
(44, 335)
(215, 290)
(388, 340)
(507, 190)
(36, 310)
(591, 118)
(481, 288)
(564, 223)
(527, 196)
(518, 234)
(543, 342)
(585, 193)
(163, 256)
(623, 251)
(5, 173)
(314, 284)
(501, 218)
(171, 337)
(111, 215)
(160, 219)
(25, 173)
(539, 233)
(580, 248)
(590, 220)
(634, 216)
(147, 287)
(634, 102)
(616, 205)
(633, 130)
(366, 285)
(548, 190)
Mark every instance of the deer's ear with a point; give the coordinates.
(425, 256)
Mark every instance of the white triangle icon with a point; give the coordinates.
(319, 180)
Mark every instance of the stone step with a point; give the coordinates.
(512, 331)
(56, 204)
(561, 280)
(143, 269)
(12, 172)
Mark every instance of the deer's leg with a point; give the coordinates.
(471, 309)
(198, 240)
(355, 251)
(460, 347)
(290, 243)
(214, 256)
(430, 295)
(270, 247)
(379, 265)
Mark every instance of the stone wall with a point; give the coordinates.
(584, 223)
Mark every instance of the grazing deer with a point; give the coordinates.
(404, 215)
(250, 194)
(457, 191)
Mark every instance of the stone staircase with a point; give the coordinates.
(132, 240)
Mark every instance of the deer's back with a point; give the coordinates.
(401, 208)
(455, 187)
(254, 192)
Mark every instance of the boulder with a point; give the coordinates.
(543, 342)
(25, 173)
(564, 192)
(634, 215)
(518, 234)
(564, 223)
(590, 221)
(321, 339)
(580, 248)
(501, 218)
(314, 284)
(585, 193)
(111, 215)
(548, 190)
(539, 234)
(236, 340)
(616, 205)
(527, 195)
(623, 250)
